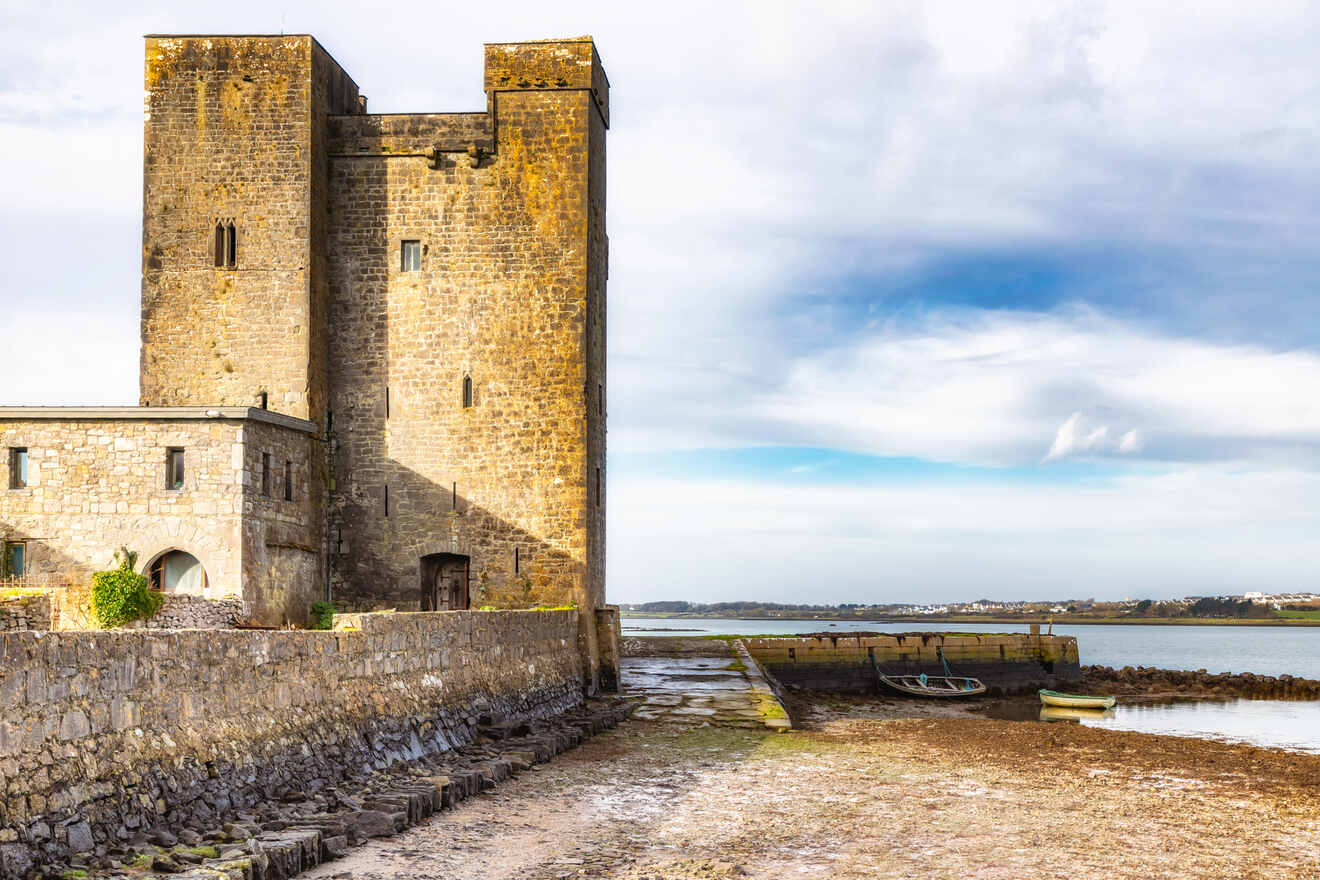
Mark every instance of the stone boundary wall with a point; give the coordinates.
(185, 611)
(21, 613)
(105, 734)
(1005, 663)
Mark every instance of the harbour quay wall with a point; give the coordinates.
(847, 663)
(107, 735)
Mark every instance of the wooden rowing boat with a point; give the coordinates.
(932, 685)
(1075, 701)
(1056, 713)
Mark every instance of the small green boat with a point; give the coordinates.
(1075, 701)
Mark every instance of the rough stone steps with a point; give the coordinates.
(299, 830)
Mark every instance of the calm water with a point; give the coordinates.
(1264, 650)
(1260, 649)
(1284, 724)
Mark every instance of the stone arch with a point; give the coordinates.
(199, 584)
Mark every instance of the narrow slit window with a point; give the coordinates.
(453, 497)
(410, 256)
(598, 487)
(467, 391)
(600, 399)
(387, 401)
(226, 245)
(15, 560)
(174, 468)
(264, 400)
(517, 560)
(18, 467)
(265, 474)
(288, 481)
(387, 499)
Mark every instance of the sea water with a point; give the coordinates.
(1264, 650)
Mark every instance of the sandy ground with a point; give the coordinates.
(877, 797)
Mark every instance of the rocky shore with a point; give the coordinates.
(279, 839)
(1148, 681)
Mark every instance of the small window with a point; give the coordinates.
(225, 248)
(265, 474)
(598, 487)
(288, 481)
(263, 400)
(18, 467)
(467, 391)
(174, 468)
(600, 399)
(387, 499)
(410, 256)
(15, 561)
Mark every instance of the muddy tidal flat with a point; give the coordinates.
(865, 792)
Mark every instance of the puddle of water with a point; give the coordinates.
(1285, 724)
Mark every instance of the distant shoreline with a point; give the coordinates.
(1061, 620)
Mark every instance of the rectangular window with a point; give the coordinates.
(174, 468)
(15, 561)
(410, 256)
(18, 462)
(288, 481)
(265, 474)
(598, 487)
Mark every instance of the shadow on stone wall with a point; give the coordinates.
(509, 566)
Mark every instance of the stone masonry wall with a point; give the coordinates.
(24, 612)
(506, 296)
(103, 734)
(1004, 663)
(181, 611)
(95, 485)
(232, 129)
(282, 550)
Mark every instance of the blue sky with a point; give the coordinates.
(908, 301)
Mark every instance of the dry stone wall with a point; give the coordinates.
(181, 611)
(106, 734)
(24, 612)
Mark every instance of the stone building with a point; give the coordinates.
(406, 311)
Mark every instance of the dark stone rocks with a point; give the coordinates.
(371, 823)
(80, 838)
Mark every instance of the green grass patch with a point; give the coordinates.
(74, 874)
(735, 666)
(1299, 615)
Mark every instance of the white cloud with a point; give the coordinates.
(1197, 530)
(1000, 387)
(1070, 439)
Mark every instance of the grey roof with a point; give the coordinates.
(153, 413)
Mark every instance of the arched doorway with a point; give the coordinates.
(444, 582)
(175, 571)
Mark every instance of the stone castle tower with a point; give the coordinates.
(428, 290)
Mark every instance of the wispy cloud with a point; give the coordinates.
(1032, 236)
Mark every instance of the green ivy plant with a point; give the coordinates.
(323, 616)
(121, 594)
